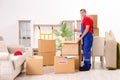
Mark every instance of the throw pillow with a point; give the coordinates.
(17, 53)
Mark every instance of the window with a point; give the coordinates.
(25, 33)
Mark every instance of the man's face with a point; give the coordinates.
(83, 14)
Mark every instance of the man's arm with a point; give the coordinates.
(84, 33)
(76, 30)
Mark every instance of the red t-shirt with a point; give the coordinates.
(88, 21)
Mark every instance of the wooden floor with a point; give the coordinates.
(94, 74)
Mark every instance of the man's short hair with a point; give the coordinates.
(83, 10)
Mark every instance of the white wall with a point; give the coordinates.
(53, 11)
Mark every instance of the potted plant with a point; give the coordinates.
(65, 33)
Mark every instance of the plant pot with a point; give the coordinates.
(63, 39)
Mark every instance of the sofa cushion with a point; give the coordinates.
(112, 35)
(110, 50)
(4, 56)
(14, 48)
(1, 38)
(3, 47)
(17, 60)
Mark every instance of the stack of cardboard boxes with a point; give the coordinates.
(68, 65)
(95, 24)
(47, 49)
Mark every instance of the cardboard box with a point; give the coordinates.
(95, 20)
(34, 65)
(70, 48)
(96, 31)
(46, 45)
(77, 61)
(48, 58)
(64, 65)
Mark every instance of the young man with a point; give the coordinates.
(87, 39)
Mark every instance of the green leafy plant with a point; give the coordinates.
(58, 44)
(65, 33)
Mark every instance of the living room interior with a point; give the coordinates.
(38, 42)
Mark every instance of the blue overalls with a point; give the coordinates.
(87, 44)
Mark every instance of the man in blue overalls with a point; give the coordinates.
(87, 39)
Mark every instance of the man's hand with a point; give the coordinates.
(80, 38)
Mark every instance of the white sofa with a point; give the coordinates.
(10, 65)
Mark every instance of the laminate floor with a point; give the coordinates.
(94, 74)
